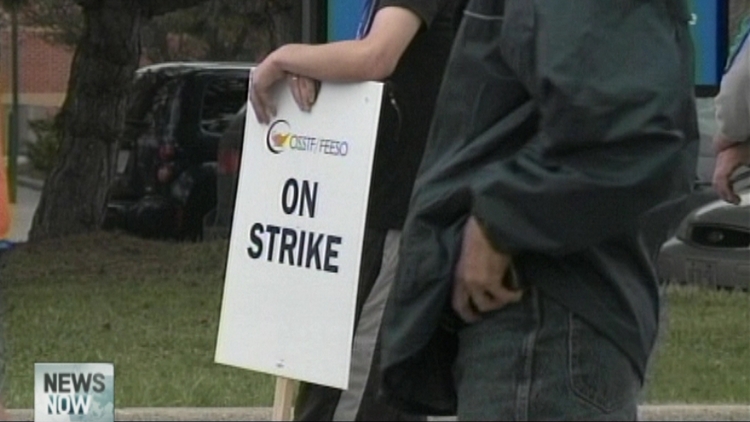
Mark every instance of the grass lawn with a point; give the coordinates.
(152, 308)
(704, 355)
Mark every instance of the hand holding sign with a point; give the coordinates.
(304, 90)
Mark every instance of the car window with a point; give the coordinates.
(222, 99)
(154, 112)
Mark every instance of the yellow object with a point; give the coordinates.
(4, 201)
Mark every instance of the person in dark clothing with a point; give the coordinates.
(405, 43)
(526, 287)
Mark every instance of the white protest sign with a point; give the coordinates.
(294, 255)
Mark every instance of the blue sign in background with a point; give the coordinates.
(709, 30)
(343, 19)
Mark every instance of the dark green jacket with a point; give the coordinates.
(567, 128)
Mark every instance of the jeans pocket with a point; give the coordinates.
(600, 374)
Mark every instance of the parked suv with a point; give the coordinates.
(166, 168)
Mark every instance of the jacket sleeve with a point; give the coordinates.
(614, 91)
(733, 100)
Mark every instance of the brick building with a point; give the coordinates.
(43, 79)
(44, 70)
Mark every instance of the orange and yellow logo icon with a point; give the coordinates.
(279, 137)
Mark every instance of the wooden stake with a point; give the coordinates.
(283, 400)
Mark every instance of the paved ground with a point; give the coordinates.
(27, 199)
(647, 413)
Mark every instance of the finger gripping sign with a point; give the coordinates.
(294, 254)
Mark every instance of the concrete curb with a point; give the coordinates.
(30, 182)
(646, 413)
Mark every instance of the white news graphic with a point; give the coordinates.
(75, 392)
(294, 255)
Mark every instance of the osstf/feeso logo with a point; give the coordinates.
(74, 392)
(280, 138)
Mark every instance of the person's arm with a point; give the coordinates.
(732, 140)
(733, 102)
(615, 136)
(371, 58)
(728, 161)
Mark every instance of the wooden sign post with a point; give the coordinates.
(283, 401)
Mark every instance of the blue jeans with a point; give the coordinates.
(534, 360)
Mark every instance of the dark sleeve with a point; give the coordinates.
(616, 133)
(427, 10)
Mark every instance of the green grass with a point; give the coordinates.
(152, 308)
(704, 355)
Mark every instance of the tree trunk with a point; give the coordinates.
(282, 23)
(92, 118)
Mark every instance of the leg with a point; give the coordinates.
(536, 361)
(317, 402)
(360, 401)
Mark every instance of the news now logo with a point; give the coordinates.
(74, 392)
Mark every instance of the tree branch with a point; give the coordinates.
(153, 8)
(87, 4)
